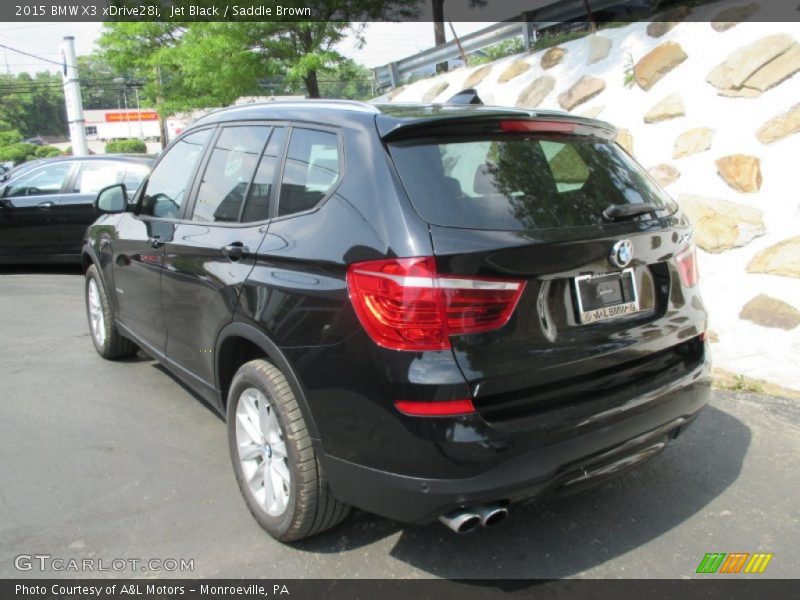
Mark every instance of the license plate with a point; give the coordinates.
(606, 296)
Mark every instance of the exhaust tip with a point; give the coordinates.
(495, 517)
(470, 524)
(461, 522)
(492, 514)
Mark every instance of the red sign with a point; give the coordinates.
(131, 115)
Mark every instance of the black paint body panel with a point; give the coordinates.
(547, 391)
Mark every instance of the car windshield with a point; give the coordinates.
(523, 182)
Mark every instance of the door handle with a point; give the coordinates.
(46, 205)
(235, 251)
(155, 241)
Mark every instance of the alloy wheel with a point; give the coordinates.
(262, 452)
(96, 318)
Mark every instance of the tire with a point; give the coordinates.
(304, 505)
(108, 341)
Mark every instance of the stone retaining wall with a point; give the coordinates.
(712, 107)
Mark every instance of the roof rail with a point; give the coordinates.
(353, 105)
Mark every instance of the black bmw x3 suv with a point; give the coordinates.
(423, 311)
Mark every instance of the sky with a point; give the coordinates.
(385, 42)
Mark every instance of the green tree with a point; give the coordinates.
(33, 104)
(18, 153)
(348, 80)
(146, 51)
(297, 53)
(198, 64)
(100, 82)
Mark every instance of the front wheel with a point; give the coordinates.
(108, 341)
(273, 457)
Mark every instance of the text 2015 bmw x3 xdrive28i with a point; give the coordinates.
(421, 311)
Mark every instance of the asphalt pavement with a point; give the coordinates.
(103, 461)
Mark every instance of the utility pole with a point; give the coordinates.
(72, 97)
(139, 113)
(162, 121)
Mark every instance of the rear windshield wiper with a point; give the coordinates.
(623, 211)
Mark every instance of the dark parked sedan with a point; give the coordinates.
(45, 209)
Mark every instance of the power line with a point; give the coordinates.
(25, 43)
(111, 81)
(36, 64)
(108, 81)
(47, 60)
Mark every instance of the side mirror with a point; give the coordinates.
(112, 199)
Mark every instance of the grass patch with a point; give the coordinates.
(556, 39)
(733, 382)
(498, 51)
(549, 40)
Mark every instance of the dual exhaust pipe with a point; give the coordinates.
(468, 519)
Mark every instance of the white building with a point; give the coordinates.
(107, 124)
(112, 124)
(180, 121)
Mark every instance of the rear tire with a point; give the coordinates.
(108, 341)
(273, 457)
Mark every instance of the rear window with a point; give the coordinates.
(522, 183)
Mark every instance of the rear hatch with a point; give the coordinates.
(557, 205)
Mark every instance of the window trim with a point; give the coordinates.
(334, 187)
(276, 176)
(193, 177)
(195, 190)
(289, 125)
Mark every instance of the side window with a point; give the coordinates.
(230, 168)
(134, 176)
(312, 169)
(40, 182)
(95, 175)
(170, 180)
(259, 198)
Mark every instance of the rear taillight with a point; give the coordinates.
(687, 266)
(405, 305)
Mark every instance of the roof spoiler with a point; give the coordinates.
(468, 96)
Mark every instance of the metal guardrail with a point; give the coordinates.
(526, 26)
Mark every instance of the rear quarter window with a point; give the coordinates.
(521, 182)
(311, 170)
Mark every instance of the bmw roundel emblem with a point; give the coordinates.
(621, 253)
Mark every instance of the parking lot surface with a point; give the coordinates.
(118, 460)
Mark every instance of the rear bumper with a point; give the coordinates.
(581, 460)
